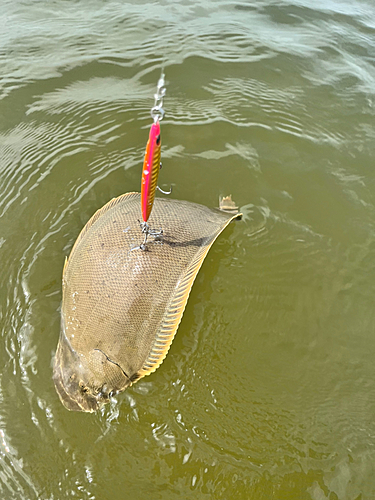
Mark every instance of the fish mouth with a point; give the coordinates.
(87, 403)
(68, 373)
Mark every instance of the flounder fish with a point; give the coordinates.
(121, 306)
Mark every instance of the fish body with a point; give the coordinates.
(121, 308)
(150, 172)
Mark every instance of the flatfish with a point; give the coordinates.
(122, 305)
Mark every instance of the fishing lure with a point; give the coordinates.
(150, 173)
(152, 164)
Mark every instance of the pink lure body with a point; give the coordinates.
(150, 172)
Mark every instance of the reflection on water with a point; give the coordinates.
(268, 389)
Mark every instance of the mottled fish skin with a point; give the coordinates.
(150, 172)
(121, 307)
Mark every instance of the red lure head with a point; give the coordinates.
(151, 167)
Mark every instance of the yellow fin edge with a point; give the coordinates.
(173, 316)
(94, 218)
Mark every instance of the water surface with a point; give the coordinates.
(268, 390)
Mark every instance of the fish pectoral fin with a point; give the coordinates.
(108, 372)
(113, 362)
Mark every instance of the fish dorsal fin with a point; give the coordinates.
(175, 310)
(95, 217)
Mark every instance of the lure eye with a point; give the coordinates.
(158, 140)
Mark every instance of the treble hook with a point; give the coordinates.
(164, 192)
(148, 232)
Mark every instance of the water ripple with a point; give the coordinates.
(267, 390)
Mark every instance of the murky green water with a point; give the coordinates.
(268, 390)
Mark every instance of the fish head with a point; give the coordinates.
(85, 382)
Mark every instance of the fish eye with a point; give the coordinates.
(83, 387)
(158, 140)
